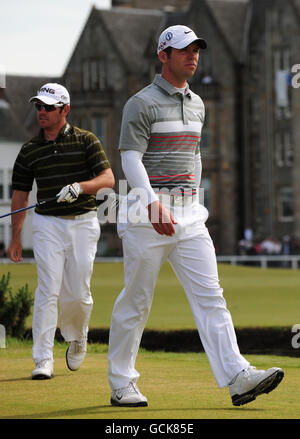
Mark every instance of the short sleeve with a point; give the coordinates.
(95, 154)
(22, 176)
(136, 125)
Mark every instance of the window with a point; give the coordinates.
(10, 189)
(94, 75)
(99, 128)
(283, 149)
(254, 108)
(2, 235)
(85, 123)
(205, 193)
(282, 59)
(1, 184)
(204, 70)
(85, 75)
(102, 80)
(285, 204)
(282, 69)
(97, 125)
(205, 134)
(2, 241)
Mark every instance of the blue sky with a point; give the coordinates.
(37, 37)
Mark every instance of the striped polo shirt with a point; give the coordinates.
(75, 155)
(165, 125)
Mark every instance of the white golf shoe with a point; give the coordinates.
(75, 354)
(129, 396)
(43, 370)
(250, 383)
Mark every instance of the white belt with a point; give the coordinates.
(90, 214)
(177, 200)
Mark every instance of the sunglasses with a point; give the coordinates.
(48, 108)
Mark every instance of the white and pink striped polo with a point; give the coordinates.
(165, 125)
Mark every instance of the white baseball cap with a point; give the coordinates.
(179, 37)
(52, 93)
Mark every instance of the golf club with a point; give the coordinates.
(24, 208)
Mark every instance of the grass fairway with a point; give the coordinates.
(255, 296)
(178, 386)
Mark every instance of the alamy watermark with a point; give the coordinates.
(2, 336)
(296, 77)
(296, 337)
(133, 204)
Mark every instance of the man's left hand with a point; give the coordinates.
(69, 193)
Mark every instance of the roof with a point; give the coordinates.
(132, 30)
(10, 128)
(18, 91)
(297, 3)
(297, 6)
(231, 17)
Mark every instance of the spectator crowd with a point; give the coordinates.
(267, 246)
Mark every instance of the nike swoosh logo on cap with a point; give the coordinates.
(187, 32)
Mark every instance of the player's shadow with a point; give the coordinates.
(27, 378)
(102, 411)
(11, 380)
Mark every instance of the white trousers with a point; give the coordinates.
(192, 256)
(64, 251)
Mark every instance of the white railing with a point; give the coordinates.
(283, 261)
(264, 261)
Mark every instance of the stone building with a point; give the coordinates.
(250, 142)
(271, 148)
(12, 135)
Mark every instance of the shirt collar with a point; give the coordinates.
(65, 130)
(168, 87)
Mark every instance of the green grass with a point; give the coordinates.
(254, 296)
(178, 386)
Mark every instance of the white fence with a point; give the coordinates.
(264, 261)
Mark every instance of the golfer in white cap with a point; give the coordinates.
(160, 153)
(69, 166)
(179, 37)
(52, 94)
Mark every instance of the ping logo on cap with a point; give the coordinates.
(47, 90)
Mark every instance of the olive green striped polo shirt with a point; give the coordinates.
(75, 155)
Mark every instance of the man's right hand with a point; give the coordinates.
(18, 201)
(15, 251)
(161, 218)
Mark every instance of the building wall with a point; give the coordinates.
(154, 4)
(272, 186)
(97, 99)
(220, 159)
(220, 162)
(241, 149)
(296, 173)
(8, 154)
